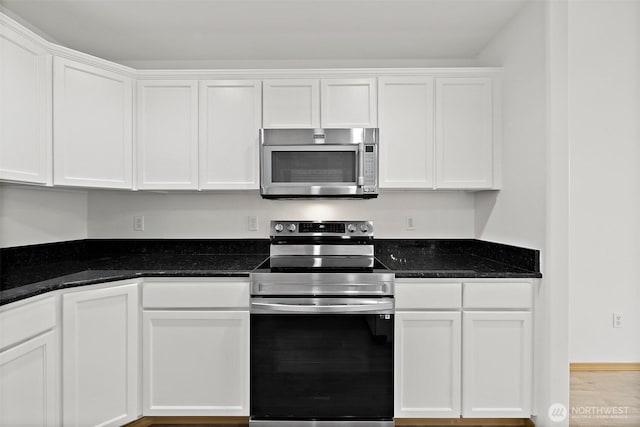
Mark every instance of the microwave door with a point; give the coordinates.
(329, 170)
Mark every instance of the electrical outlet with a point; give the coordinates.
(252, 223)
(138, 223)
(409, 223)
(618, 320)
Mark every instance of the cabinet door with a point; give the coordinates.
(29, 385)
(100, 356)
(196, 363)
(464, 133)
(427, 364)
(291, 103)
(230, 112)
(92, 126)
(25, 109)
(497, 364)
(167, 134)
(349, 103)
(406, 132)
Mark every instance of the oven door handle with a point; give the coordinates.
(322, 306)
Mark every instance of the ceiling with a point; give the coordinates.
(129, 31)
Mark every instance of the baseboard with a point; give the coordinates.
(575, 367)
(493, 422)
(156, 420)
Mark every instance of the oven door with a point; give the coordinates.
(322, 359)
(311, 170)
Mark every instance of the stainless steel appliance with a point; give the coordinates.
(322, 328)
(319, 163)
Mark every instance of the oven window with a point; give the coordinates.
(321, 366)
(313, 166)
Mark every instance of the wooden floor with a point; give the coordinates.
(603, 398)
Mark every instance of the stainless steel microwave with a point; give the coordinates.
(319, 163)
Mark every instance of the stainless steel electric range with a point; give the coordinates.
(322, 328)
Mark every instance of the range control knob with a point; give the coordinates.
(291, 227)
(351, 228)
(364, 228)
(278, 227)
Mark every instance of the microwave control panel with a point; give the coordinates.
(370, 165)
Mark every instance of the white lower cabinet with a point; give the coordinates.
(196, 362)
(476, 363)
(100, 356)
(196, 347)
(29, 365)
(497, 364)
(427, 364)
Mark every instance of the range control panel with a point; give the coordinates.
(321, 228)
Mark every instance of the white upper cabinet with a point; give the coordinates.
(326, 103)
(25, 109)
(406, 118)
(167, 134)
(349, 103)
(230, 120)
(291, 103)
(92, 126)
(464, 133)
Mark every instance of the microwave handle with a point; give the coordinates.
(360, 182)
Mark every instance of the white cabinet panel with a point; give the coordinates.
(498, 295)
(29, 383)
(194, 293)
(230, 120)
(92, 126)
(464, 133)
(196, 363)
(415, 294)
(497, 364)
(100, 356)
(167, 134)
(406, 112)
(291, 103)
(427, 364)
(349, 103)
(26, 321)
(25, 109)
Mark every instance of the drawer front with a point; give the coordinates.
(26, 321)
(506, 295)
(419, 295)
(210, 293)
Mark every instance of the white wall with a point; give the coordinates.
(516, 214)
(224, 214)
(32, 215)
(604, 128)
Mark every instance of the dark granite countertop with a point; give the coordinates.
(457, 258)
(33, 270)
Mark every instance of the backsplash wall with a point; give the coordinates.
(32, 215)
(225, 214)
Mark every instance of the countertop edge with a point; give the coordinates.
(66, 282)
(58, 283)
